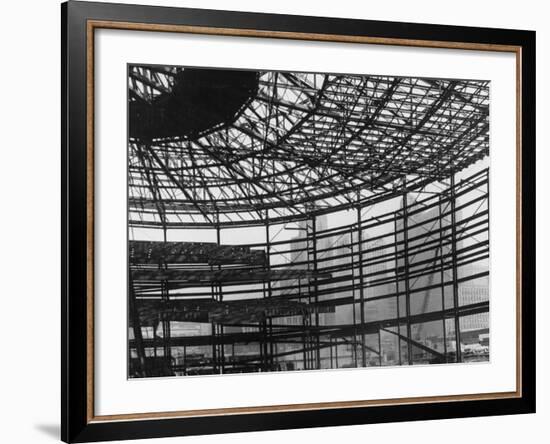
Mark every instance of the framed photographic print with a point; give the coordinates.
(276, 221)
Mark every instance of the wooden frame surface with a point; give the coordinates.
(79, 22)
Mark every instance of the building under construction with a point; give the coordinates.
(284, 221)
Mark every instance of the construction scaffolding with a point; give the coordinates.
(284, 221)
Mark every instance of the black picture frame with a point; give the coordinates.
(77, 425)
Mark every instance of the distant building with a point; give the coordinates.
(379, 309)
(473, 294)
(422, 231)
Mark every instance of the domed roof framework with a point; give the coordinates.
(304, 144)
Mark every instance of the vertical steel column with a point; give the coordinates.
(167, 349)
(442, 279)
(220, 328)
(261, 344)
(264, 342)
(222, 349)
(215, 292)
(406, 264)
(455, 271)
(269, 289)
(361, 284)
(184, 360)
(380, 346)
(354, 342)
(317, 352)
(308, 349)
(304, 340)
(304, 328)
(213, 289)
(155, 339)
(397, 289)
(330, 347)
(214, 353)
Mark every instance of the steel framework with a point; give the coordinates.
(403, 161)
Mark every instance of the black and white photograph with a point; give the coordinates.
(292, 221)
(284, 221)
